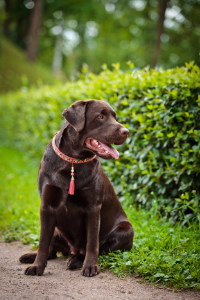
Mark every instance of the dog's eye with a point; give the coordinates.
(101, 117)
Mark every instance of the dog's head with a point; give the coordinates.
(95, 122)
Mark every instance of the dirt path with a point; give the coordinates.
(59, 283)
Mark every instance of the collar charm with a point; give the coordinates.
(70, 160)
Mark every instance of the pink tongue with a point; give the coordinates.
(113, 152)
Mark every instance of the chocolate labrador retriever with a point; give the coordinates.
(88, 220)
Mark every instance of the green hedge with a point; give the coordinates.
(159, 166)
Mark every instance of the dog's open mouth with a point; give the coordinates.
(103, 150)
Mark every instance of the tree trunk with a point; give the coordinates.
(32, 37)
(7, 18)
(57, 58)
(162, 9)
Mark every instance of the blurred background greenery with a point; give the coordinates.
(47, 39)
(60, 47)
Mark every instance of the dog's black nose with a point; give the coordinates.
(124, 132)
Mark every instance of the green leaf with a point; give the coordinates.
(171, 134)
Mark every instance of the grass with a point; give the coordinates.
(19, 197)
(15, 70)
(162, 253)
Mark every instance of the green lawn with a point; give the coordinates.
(19, 197)
(161, 252)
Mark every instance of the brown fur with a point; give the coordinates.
(92, 221)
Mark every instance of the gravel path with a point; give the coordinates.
(59, 283)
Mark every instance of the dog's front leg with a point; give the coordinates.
(48, 223)
(90, 265)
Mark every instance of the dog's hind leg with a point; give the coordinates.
(75, 261)
(58, 244)
(121, 238)
(28, 258)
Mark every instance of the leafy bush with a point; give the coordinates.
(159, 165)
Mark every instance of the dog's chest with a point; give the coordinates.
(78, 202)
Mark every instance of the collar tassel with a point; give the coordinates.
(71, 186)
(70, 160)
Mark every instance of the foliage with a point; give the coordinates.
(19, 204)
(96, 31)
(16, 71)
(159, 164)
(161, 252)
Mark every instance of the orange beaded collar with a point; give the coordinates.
(70, 160)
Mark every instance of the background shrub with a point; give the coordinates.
(159, 166)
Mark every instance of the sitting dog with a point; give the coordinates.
(80, 212)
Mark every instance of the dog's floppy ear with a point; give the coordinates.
(60, 135)
(75, 115)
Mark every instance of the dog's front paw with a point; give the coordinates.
(35, 270)
(90, 269)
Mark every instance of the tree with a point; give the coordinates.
(162, 6)
(6, 23)
(34, 25)
(147, 32)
